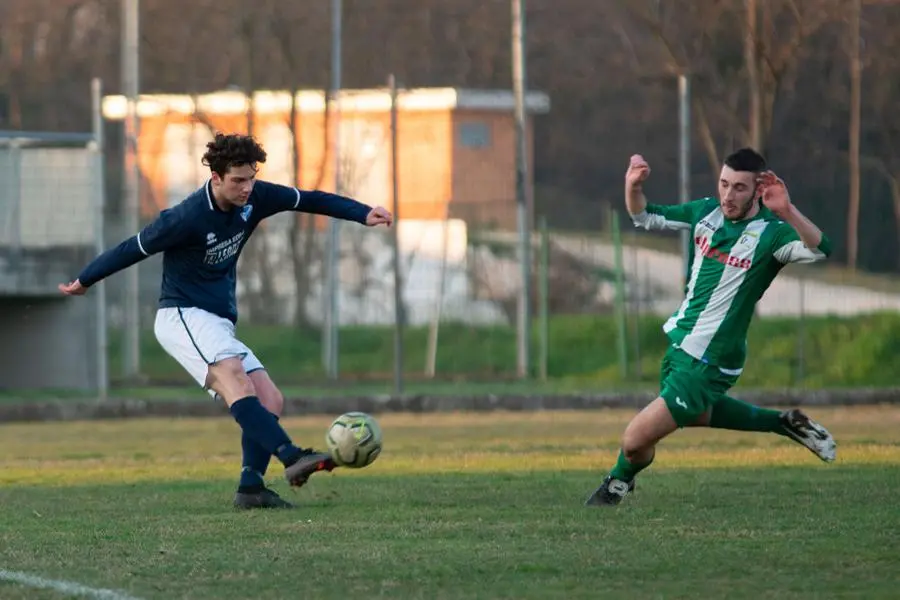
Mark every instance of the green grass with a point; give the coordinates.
(457, 506)
(818, 352)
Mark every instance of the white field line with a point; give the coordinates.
(63, 587)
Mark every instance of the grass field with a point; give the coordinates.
(457, 506)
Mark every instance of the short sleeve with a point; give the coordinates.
(169, 229)
(671, 217)
(789, 248)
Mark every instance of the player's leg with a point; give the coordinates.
(254, 406)
(638, 449)
(731, 413)
(683, 402)
(272, 398)
(252, 491)
(191, 337)
(256, 459)
(230, 381)
(204, 344)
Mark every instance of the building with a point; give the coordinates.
(50, 205)
(455, 147)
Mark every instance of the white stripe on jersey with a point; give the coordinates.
(713, 221)
(140, 245)
(208, 197)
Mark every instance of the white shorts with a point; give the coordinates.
(197, 339)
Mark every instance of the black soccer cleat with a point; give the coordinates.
(807, 432)
(310, 461)
(264, 498)
(610, 493)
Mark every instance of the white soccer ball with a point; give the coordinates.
(354, 440)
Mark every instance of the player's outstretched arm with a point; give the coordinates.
(652, 216)
(278, 198)
(166, 231)
(112, 261)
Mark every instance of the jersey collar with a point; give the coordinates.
(207, 187)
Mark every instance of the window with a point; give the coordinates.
(475, 134)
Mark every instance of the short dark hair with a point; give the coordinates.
(235, 150)
(746, 159)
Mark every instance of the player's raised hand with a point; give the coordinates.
(638, 171)
(379, 216)
(774, 193)
(73, 289)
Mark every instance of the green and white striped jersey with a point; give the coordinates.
(731, 267)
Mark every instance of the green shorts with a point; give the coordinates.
(691, 387)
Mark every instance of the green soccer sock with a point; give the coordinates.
(626, 471)
(731, 413)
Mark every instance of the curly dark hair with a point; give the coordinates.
(235, 150)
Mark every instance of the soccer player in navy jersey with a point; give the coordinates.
(201, 239)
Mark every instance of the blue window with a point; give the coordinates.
(474, 134)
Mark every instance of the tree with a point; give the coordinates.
(698, 39)
(882, 96)
(285, 24)
(854, 134)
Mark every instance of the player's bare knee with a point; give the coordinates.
(702, 420)
(229, 380)
(637, 448)
(634, 445)
(273, 400)
(632, 439)
(268, 393)
(647, 428)
(639, 455)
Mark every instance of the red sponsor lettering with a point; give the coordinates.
(723, 257)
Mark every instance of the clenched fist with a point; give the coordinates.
(379, 216)
(638, 171)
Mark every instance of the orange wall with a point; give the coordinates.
(424, 164)
(433, 167)
(484, 178)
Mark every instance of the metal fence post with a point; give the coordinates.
(99, 223)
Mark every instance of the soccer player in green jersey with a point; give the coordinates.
(741, 241)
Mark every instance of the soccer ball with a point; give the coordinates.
(354, 440)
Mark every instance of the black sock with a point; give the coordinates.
(262, 427)
(254, 465)
(251, 482)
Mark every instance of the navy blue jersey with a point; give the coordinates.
(201, 243)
